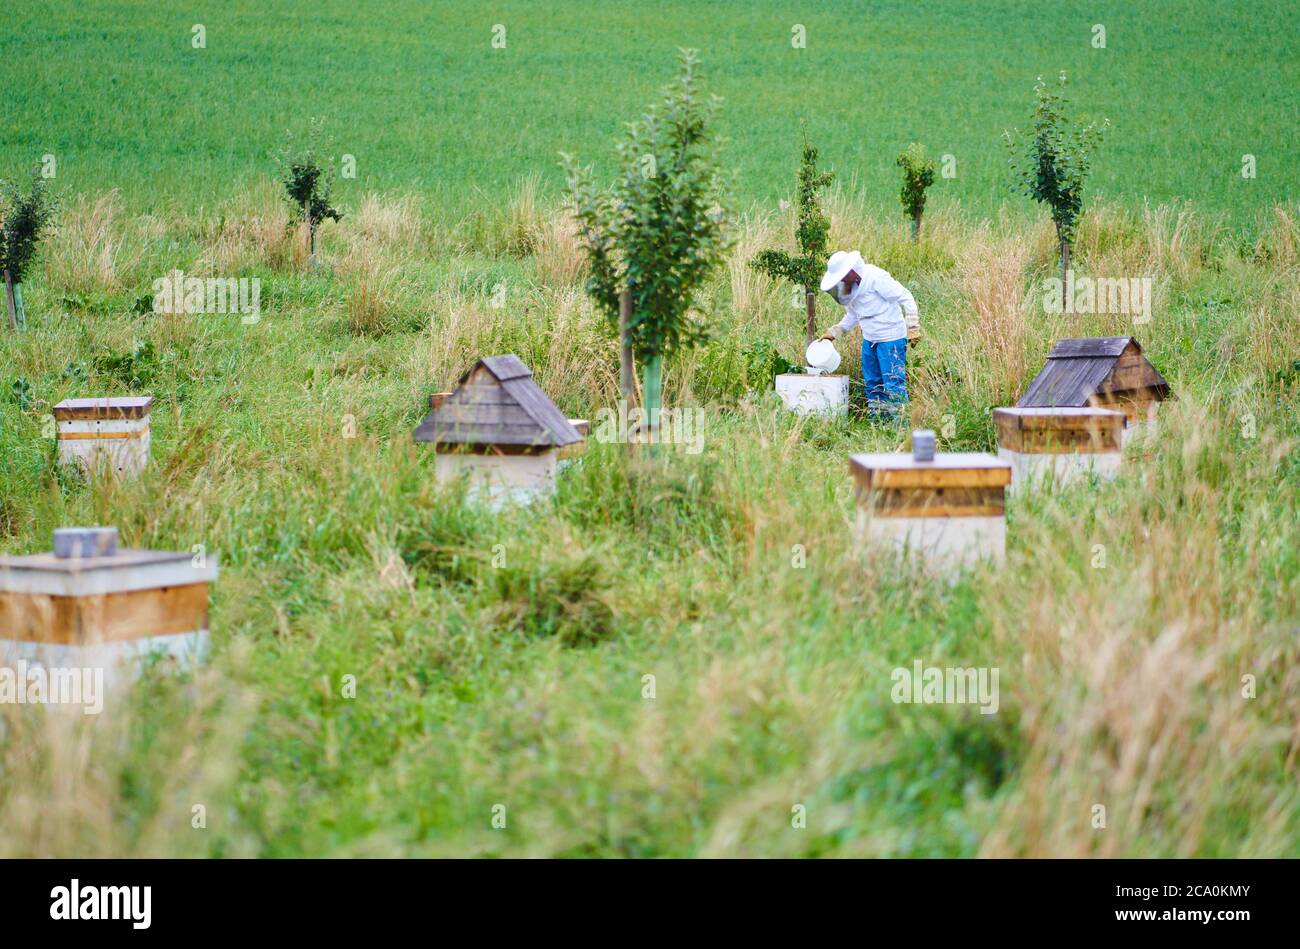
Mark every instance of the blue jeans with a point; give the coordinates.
(884, 373)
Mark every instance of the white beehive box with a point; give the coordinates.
(809, 394)
(104, 608)
(949, 512)
(105, 434)
(499, 432)
(1049, 447)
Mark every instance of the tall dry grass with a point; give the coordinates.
(993, 345)
(557, 252)
(249, 231)
(91, 250)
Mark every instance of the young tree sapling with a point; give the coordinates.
(918, 175)
(26, 216)
(1050, 162)
(806, 269)
(660, 229)
(307, 182)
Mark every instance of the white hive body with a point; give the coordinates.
(109, 611)
(946, 543)
(1054, 447)
(517, 478)
(948, 513)
(808, 394)
(104, 436)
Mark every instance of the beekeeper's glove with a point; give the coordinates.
(834, 333)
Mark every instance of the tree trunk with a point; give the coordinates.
(916, 226)
(9, 300)
(311, 234)
(1065, 273)
(810, 328)
(626, 373)
(652, 384)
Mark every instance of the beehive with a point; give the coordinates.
(950, 511)
(84, 606)
(1104, 372)
(104, 434)
(498, 431)
(813, 394)
(1055, 446)
(583, 427)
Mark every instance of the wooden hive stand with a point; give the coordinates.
(1055, 446)
(105, 435)
(93, 605)
(950, 512)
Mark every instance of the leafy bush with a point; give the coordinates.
(26, 217)
(135, 368)
(547, 599)
(661, 229)
(763, 362)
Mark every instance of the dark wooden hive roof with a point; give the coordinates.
(1079, 369)
(498, 403)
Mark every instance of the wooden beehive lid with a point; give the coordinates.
(109, 407)
(127, 569)
(948, 470)
(1079, 369)
(1024, 417)
(498, 403)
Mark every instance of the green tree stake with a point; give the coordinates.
(652, 383)
(18, 306)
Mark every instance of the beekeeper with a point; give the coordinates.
(886, 312)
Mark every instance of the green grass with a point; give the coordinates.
(417, 93)
(500, 657)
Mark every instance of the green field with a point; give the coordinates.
(499, 657)
(418, 94)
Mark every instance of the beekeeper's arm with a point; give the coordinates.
(843, 326)
(893, 291)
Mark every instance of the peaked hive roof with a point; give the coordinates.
(1078, 369)
(498, 403)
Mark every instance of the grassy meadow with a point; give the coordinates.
(499, 657)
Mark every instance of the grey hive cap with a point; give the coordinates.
(72, 542)
(498, 403)
(1079, 370)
